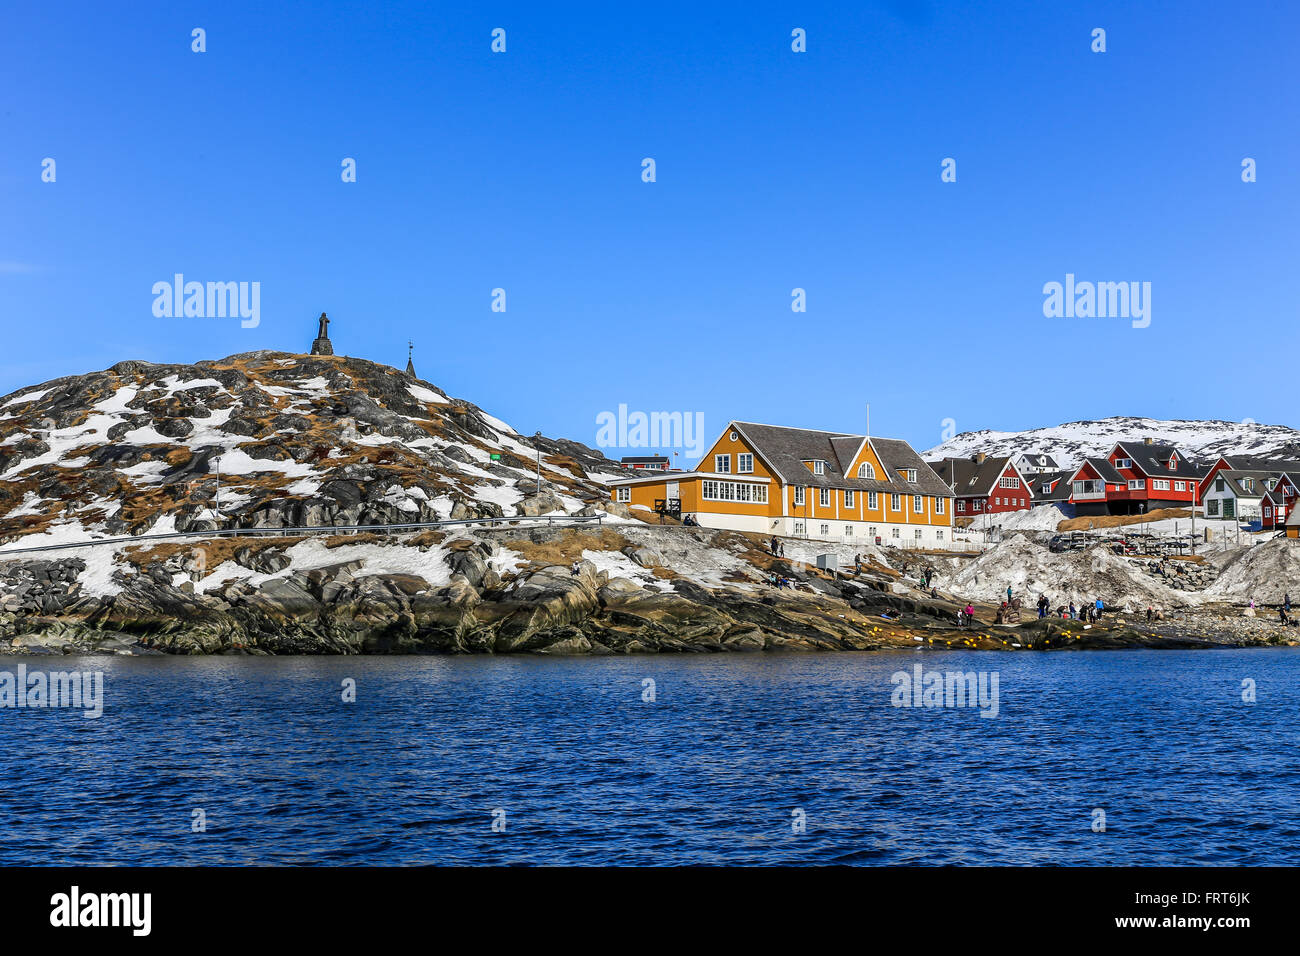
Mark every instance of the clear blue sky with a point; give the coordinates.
(775, 170)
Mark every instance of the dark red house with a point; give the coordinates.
(984, 485)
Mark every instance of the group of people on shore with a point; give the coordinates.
(1071, 612)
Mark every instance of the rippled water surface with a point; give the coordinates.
(710, 772)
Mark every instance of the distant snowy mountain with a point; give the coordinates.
(1074, 441)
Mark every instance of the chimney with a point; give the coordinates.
(1148, 440)
(979, 457)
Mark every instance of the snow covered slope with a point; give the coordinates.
(1074, 441)
(271, 439)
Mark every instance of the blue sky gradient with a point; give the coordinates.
(775, 170)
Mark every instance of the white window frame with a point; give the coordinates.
(799, 495)
(745, 492)
(940, 505)
(866, 470)
(722, 464)
(895, 502)
(848, 497)
(873, 500)
(823, 497)
(918, 504)
(1137, 484)
(744, 463)
(623, 494)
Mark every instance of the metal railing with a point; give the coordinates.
(491, 523)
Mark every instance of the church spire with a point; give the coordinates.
(410, 365)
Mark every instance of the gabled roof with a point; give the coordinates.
(1153, 460)
(785, 450)
(1236, 481)
(1059, 480)
(1104, 469)
(1039, 460)
(1261, 462)
(1276, 495)
(969, 477)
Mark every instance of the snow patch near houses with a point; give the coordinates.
(1037, 518)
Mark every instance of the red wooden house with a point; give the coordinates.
(1092, 485)
(984, 485)
(1155, 476)
(1277, 503)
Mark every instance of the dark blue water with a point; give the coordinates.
(710, 772)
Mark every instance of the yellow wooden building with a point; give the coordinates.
(799, 482)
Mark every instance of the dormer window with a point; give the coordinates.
(1173, 462)
(908, 474)
(819, 467)
(866, 471)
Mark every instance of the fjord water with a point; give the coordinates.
(709, 772)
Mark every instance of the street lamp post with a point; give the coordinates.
(536, 437)
(217, 461)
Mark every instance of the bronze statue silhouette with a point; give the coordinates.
(322, 344)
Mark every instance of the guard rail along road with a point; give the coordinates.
(519, 520)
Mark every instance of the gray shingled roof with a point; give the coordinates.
(967, 477)
(1233, 479)
(1152, 460)
(1061, 486)
(786, 449)
(1261, 463)
(1040, 460)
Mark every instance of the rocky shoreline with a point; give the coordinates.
(539, 591)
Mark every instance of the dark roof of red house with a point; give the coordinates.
(1153, 460)
(969, 477)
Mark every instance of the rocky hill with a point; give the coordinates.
(1072, 442)
(264, 440)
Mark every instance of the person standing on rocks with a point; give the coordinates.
(1099, 607)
